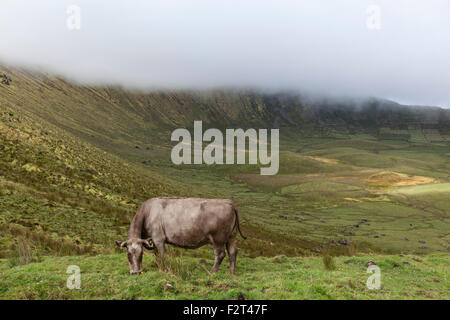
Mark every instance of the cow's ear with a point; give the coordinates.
(147, 244)
(121, 244)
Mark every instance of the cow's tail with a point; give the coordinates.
(236, 223)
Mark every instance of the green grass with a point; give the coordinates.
(106, 276)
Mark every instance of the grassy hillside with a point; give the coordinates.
(76, 161)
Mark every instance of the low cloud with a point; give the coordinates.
(391, 49)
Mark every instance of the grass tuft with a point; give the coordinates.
(327, 259)
(22, 253)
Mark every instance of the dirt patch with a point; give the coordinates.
(387, 179)
(352, 199)
(325, 160)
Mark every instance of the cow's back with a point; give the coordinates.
(190, 222)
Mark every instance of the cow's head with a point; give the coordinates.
(135, 250)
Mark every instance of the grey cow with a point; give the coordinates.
(183, 222)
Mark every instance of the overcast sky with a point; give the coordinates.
(329, 46)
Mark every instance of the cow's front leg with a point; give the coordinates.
(160, 252)
(219, 251)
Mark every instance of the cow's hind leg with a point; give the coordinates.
(232, 250)
(219, 251)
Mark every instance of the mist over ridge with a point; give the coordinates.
(324, 48)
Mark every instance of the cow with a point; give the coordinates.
(183, 222)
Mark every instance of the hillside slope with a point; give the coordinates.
(76, 162)
(122, 118)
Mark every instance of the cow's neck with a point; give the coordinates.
(136, 226)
